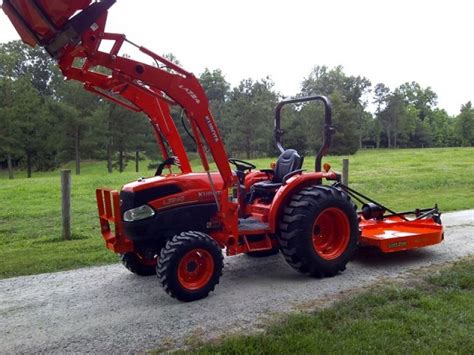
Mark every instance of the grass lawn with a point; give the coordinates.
(30, 230)
(434, 317)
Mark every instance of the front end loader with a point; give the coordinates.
(177, 223)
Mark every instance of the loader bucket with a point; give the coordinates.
(37, 21)
(54, 25)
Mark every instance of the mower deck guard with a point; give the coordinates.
(396, 234)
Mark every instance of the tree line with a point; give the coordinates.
(46, 121)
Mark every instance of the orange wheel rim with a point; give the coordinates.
(331, 233)
(195, 269)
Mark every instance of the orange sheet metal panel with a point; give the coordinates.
(61, 11)
(391, 235)
(25, 34)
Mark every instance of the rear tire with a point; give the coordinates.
(138, 265)
(320, 231)
(190, 265)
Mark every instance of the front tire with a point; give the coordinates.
(138, 265)
(190, 265)
(320, 231)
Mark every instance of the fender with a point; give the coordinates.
(285, 192)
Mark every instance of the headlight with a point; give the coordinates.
(139, 213)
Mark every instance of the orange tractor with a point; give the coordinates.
(176, 224)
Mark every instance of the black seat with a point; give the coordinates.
(287, 162)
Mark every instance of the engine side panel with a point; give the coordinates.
(155, 231)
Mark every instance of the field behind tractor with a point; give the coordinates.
(30, 230)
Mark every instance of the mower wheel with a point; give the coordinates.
(263, 254)
(319, 231)
(190, 265)
(138, 265)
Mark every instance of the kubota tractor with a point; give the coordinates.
(177, 223)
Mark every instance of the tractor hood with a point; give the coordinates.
(185, 182)
(170, 191)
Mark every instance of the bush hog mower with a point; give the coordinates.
(177, 224)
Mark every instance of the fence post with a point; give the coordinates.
(66, 203)
(345, 172)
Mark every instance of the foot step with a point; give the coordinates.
(251, 224)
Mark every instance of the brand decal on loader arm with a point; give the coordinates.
(212, 129)
(191, 94)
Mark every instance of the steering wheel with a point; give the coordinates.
(241, 165)
(169, 161)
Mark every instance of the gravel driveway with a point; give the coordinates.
(107, 309)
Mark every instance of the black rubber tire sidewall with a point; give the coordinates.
(133, 264)
(168, 269)
(330, 267)
(303, 255)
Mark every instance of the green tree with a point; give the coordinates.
(397, 120)
(368, 130)
(142, 139)
(217, 91)
(347, 95)
(31, 74)
(74, 109)
(422, 136)
(381, 95)
(249, 117)
(125, 133)
(295, 130)
(465, 125)
(374, 132)
(18, 60)
(9, 129)
(34, 127)
(215, 85)
(423, 99)
(442, 128)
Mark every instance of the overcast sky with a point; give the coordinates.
(387, 41)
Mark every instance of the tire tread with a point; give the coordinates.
(296, 217)
(186, 240)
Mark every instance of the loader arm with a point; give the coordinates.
(41, 23)
(139, 100)
(72, 32)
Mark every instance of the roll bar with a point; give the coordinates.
(328, 129)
